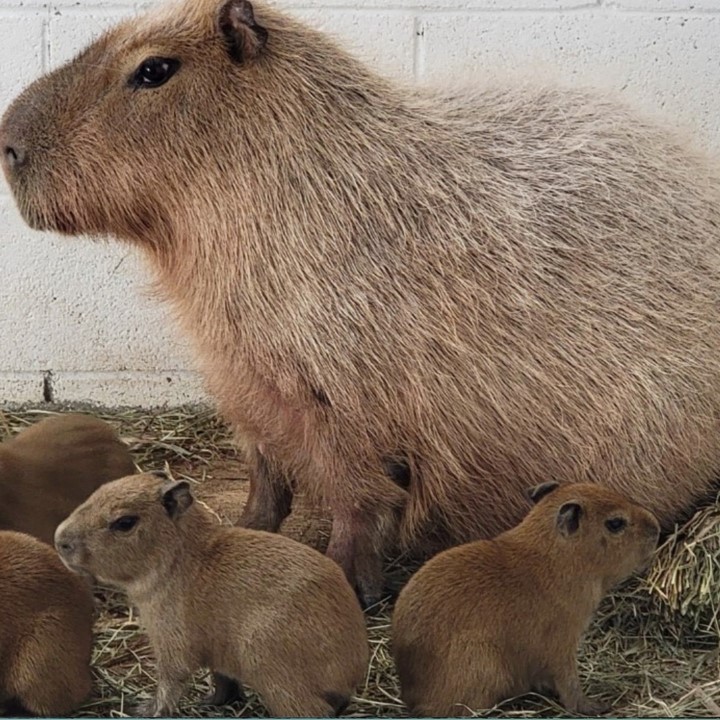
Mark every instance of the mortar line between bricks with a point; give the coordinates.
(45, 48)
(418, 48)
(430, 10)
(593, 7)
(88, 9)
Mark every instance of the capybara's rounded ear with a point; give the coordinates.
(568, 518)
(177, 498)
(244, 37)
(537, 493)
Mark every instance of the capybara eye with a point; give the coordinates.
(615, 525)
(154, 72)
(124, 523)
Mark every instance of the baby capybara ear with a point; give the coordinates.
(245, 38)
(537, 493)
(568, 518)
(176, 498)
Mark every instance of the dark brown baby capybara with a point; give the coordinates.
(257, 607)
(494, 619)
(49, 468)
(46, 629)
(482, 287)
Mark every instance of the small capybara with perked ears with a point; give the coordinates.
(51, 467)
(255, 607)
(46, 630)
(494, 619)
(481, 287)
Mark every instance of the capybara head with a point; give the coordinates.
(125, 529)
(109, 142)
(607, 534)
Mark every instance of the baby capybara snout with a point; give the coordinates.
(68, 546)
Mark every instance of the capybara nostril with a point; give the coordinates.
(64, 544)
(14, 156)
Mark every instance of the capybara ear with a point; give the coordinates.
(568, 518)
(244, 37)
(537, 493)
(177, 498)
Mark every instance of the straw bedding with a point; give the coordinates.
(653, 648)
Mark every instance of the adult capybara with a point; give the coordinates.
(49, 468)
(484, 287)
(46, 629)
(494, 619)
(258, 608)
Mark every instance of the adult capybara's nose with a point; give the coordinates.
(14, 141)
(13, 146)
(14, 155)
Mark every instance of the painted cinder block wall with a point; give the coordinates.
(76, 322)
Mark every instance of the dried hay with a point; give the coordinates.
(653, 647)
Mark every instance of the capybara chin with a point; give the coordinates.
(494, 619)
(49, 468)
(254, 607)
(490, 286)
(46, 629)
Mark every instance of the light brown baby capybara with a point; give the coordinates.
(255, 607)
(481, 287)
(494, 619)
(45, 632)
(49, 468)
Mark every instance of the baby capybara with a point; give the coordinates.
(49, 468)
(493, 619)
(254, 607)
(45, 632)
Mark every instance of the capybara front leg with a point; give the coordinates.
(567, 684)
(169, 691)
(270, 498)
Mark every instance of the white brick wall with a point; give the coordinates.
(74, 320)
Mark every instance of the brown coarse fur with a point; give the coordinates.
(254, 607)
(46, 629)
(48, 469)
(493, 619)
(483, 286)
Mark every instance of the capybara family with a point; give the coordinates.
(255, 607)
(46, 629)
(485, 287)
(49, 468)
(494, 619)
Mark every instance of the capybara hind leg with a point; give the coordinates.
(270, 498)
(50, 672)
(357, 543)
(286, 700)
(44, 684)
(225, 690)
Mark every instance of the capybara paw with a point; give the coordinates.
(226, 691)
(369, 601)
(151, 709)
(591, 708)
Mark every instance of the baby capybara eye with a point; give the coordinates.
(154, 72)
(616, 525)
